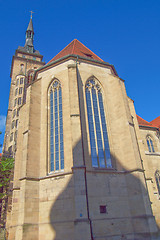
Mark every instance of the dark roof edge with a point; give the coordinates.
(144, 126)
(79, 57)
(30, 54)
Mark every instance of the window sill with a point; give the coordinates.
(152, 153)
(56, 174)
(103, 170)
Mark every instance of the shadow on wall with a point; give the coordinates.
(100, 204)
(110, 207)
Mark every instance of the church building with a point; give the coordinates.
(86, 166)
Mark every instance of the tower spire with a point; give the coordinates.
(29, 37)
(31, 13)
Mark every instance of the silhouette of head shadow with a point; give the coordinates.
(101, 204)
(115, 207)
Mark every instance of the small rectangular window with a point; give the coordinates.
(16, 123)
(21, 80)
(13, 122)
(20, 90)
(15, 102)
(14, 113)
(15, 136)
(19, 101)
(17, 112)
(16, 91)
(103, 209)
(11, 137)
(17, 82)
(10, 150)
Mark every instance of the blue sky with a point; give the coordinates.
(124, 33)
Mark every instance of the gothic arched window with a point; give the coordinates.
(157, 177)
(150, 144)
(100, 151)
(56, 127)
(30, 76)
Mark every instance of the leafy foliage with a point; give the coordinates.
(6, 166)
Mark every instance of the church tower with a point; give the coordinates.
(24, 63)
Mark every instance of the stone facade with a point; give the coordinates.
(82, 201)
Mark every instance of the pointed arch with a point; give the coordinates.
(56, 148)
(100, 150)
(150, 144)
(30, 76)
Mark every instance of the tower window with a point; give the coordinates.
(16, 91)
(19, 101)
(16, 123)
(20, 90)
(21, 80)
(15, 136)
(11, 137)
(30, 76)
(150, 144)
(22, 66)
(56, 127)
(15, 102)
(13, 123)
(17, 82)
(100, 151)
(14, 113)
(17, 112)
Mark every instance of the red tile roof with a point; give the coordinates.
(76, 48)
(143, 122)
(156, 122)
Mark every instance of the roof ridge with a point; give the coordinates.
(73, 46)
(144, 122)
(155, 119)
(142, 118)
(156, 122)
(77, 48)
(62, 50)
(89, 50)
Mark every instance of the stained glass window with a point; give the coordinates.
(100, 151)
(56, 127)
(150, 144)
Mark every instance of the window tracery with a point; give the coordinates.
(100, 150)
(150, 144)
(56, 127)
(30, 76)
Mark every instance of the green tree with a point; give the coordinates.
(6, 175)
(6, 166)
